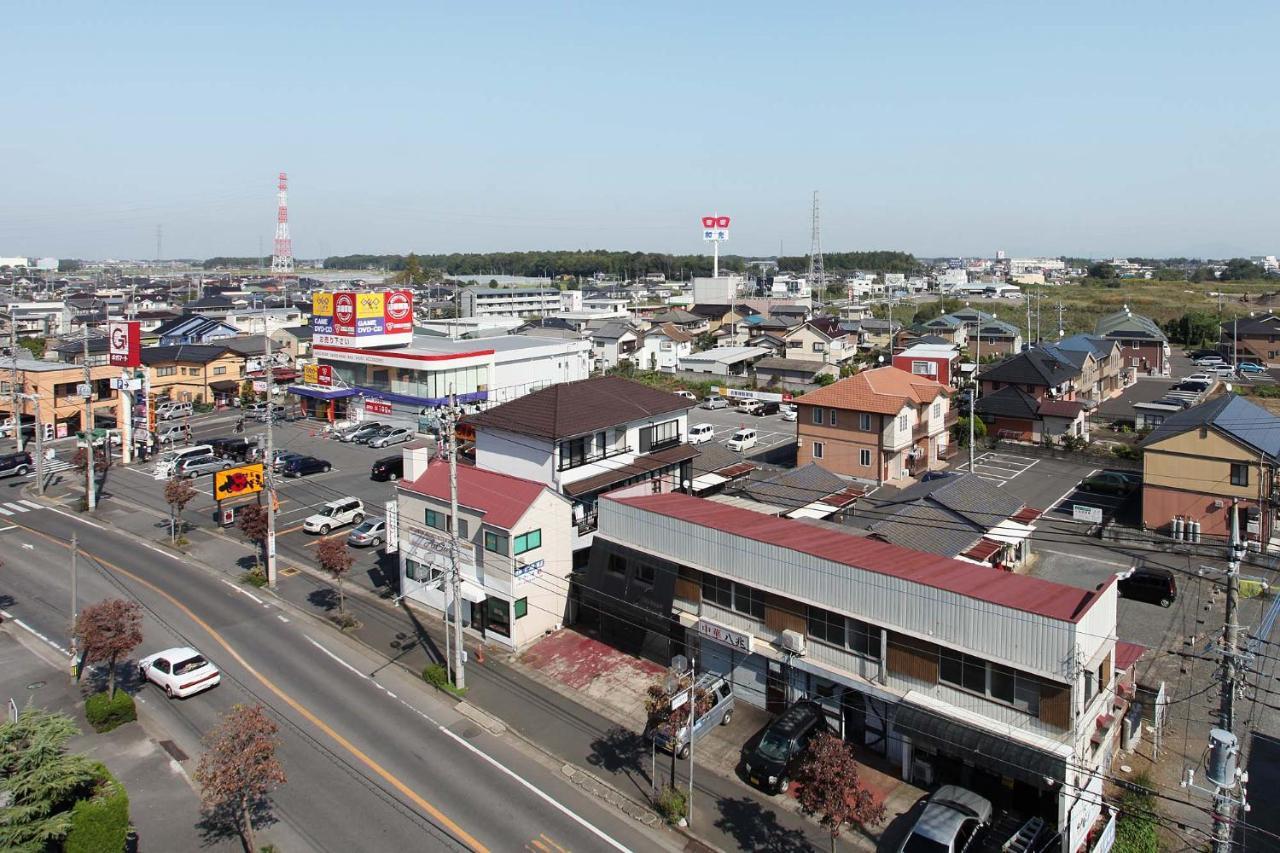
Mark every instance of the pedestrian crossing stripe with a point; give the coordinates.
(5, 511)
(31, 504)
(16, 507)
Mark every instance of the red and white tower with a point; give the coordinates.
(282, 257)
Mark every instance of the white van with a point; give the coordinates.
(743, 439)
(169, 411)
(167, 433)
(700, 433)
(167, 461)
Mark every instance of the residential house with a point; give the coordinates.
(216, 307)
(993, 337)
(295, 341)
(196, 373)
(939, 362)
(194, 329)
(1101, 363)
(257, 320)
(1039, 372)
(877, 426)
(25, 320)
(949, 670)
(1145, 347)
(717, 468)
(950, 328)
(72, 352)
(718, 315)
(1255, 339)
(686, 321)
(613, 341)
(792, 372)
(1200, 463)
(821, 340)
(516, 548)
(662, 347)
(1016, 415)
(724, 361)
(877, 334)
(587, 437)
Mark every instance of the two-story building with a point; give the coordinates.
(1101, 362)
(194, 373)
(1145, 348)
(1038, 372)
(1201, 462)
(612, 342)
(879, 426)
(662, 347)
(1255, 339)
(55, 402)
(587, 437)
(939, 362)
(194, 329)
(955, 673)
(515, 548)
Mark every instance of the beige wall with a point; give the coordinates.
(1200, 462)
(191, 381)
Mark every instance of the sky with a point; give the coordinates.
(939, 128)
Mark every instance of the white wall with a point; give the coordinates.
(519, 372)
(517, 455)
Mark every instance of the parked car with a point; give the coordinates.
(1108, 483)
(770, 763)
(304, 465)
(700, 433)
(169, 411)
(767, 408)
(335, 514)
(1224, 371)
(1202, 376)
(397, 435)
(715, 402)
(233, 447)
(370, 534)
(1250, 367)
(750, 407)
(930, 476)
(387, 468)
(789, 413)
(365, 433)
(1209, 361)
(277, 412)
(15, 464)
(169, 461)
(1195, 386)
(166, 433)
(364, 430)
(719, 714)
(688, 395)
(1152, 585)
(201, 465)
(179, 672)
(950, 820)
(345, 431)
(743, 439)
(1202, 353)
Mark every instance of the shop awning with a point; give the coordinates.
(990, 751)
(319, 393)
(224, 385)
(473, 593)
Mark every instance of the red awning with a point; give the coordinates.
(984, 550)
(1127, 654)
(1027, 514)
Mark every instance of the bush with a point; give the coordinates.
(101, 821)
(1136, 826)
(106, 713)
(255, 577)
(437, 676)
(1124, 451)
(671, 804)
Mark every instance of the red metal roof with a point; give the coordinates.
(1127, 654)
(1027, 514)
(502, 498)
(983, 550)
(1018, 592)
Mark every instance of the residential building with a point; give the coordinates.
(1014, 414)
(1145, 347)
(587, 437)
(877, 334)
(718, 315)
(809, 491)
(295, 341)
(939, 362)
(1250, 339)
(790, 372)
(1200, 463)
(993, 336)
(508, 301)
(515, 557)
(612, 341)
(950, 328)
(954, 672)
(194, 329)
(662, 347)
(24, 320)
(877, 426)
(686, 321)
(1039, 372)
(194, 373)
(1101, 363)
(821, 340)
(723, 361)
(265, 321)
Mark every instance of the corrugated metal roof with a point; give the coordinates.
(1017, 592)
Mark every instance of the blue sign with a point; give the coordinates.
(369, 326)
(528, 571)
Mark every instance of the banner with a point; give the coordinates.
(237, 482)
(344, 314)
(317, 374)
(377, 407)
(398, 315)
(124, 343)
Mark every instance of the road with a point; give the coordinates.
(375, 761)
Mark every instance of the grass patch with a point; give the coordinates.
(344, 621)
(105, 713)
(254, 577)
(436, 675)
(671, 804)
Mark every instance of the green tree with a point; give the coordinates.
(35, 346)
(1195, 328)
(1241, 269)
(960, 431)
(247, 395)
(412, 272)
(1101, 270)
(1137, 821)
(41, 779)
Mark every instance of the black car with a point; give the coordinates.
(1154, 586)
(236, 447)
(304, 465)
(767, 409)
(387, 468)
(15, 464)
(769, 765)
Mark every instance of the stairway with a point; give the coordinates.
(1025, 839)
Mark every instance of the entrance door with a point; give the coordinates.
(477, 615)
(775, 689)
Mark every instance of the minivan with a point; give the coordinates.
(770, 764)
(750, 407)
(388, 468)
(169, 411)
(700, 433)
(1151, 585)
(15, 464)
(720, 713)
(743, 439)
(172, 432)
(715, 402)
(168, 461)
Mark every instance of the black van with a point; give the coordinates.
(388, 468)
(769, 765)
(1154, 586)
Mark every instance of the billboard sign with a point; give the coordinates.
(317, 374)
(344, 314)
(377, 407)
(237, 482)
(398, 312)
(363, 318)
(124, 343)
(715, 228)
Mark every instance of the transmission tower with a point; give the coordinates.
(282, 258)
(817, 276)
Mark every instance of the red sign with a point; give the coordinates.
(344, 314)
(397, 312)
(715, 222)
(377, 407)
(124, 344)
(324, 374)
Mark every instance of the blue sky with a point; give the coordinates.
(1136, 128)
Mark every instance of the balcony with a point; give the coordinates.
(566, 463)
(951, 451)
(585, 522)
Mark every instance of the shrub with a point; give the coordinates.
(107, 712)
(1124, 451)
(1136, 825)
(254, 577)
(671, 804)
(437, 676)
(101, 821)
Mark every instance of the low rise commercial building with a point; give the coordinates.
(724, 361)
(512, 301)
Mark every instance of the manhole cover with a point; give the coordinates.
(35, 685)
(471, 732)
(173, 750)
(288, 571)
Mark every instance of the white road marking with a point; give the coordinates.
(16, 507)
(31, 504)
(10, 527)
(32, 631)
(5, 511)
(242, 591)
(338, 659)
(77, 518)
(1078, 556)
(280, 616)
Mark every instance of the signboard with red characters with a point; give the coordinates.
(377, 407)
(397, 312)
(366, 318)
(715, 228)
(237, 482)
(344, 314)
(124, 344)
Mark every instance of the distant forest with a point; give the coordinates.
(881, 261)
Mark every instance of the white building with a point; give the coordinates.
(662, 347)
(720, 290)
(724, 361)
(509, 301)
(788, 286)
(37, 319)
(259, 321)
(952, 278)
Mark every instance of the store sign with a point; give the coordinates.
(1084, 512)
(344, 315)
(391, 512)
(528, 571)
(715, 228)
(317, 374)
(398, 312)
(743, 394)
(238, 482)
(124, 344)
(367, 318)
(377, 407)
(734, 639)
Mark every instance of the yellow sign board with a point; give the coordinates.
(238, 482)
(322, 304)
(311, 374)
(369, 306)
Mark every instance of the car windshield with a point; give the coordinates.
(189, 665)
(367, 527)
(773, 746)
(919, 844)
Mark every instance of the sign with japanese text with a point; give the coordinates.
(362, 318)
(715, 228)
(739, 640)
(526, 572)
(377, 407)
(238, 482)
(344, 314)
(124, 343)
(398, 312)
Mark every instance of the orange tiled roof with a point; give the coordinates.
(884, 390)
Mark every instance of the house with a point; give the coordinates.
(72, 352)
(686, 321)
(1015, 415)
(962, 516)
(792, 372)
(662, 347)
(1101, 364)
(23, 320)
(1255, 339)
(1145, 348)
(939, 362)
(946, 669)
(877, 426)
(1039, 372)
(718, 314)
(809, 491)
(613, 341)
(195, 373)
(950, 328)
(724, 361)
(295, 341)
(194, 329)
(587, 437)
(515, 558)
(717, 468)
(1201, 462)
(993, 337)
(216, 307)
(877, 334)
(820, 340)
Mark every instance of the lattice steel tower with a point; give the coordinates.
(282, 258)
(817, 275)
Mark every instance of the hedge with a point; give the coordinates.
(105, 714)
(100, 822)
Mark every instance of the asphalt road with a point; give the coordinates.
(375, 761)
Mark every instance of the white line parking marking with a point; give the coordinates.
(31, 504)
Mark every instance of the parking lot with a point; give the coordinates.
(773, 433)
(1110, 505)
(998, 467)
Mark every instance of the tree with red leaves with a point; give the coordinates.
(830, 788)
(178, 492)
(239, 769)
(108, 631)
(335, 560)
(253, 524)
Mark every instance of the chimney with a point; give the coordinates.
(417, 455)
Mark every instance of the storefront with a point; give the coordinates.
(326, 404)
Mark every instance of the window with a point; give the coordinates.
(902, 422)
(864, 422)
(463, 532)
(937, 409)
(1003, 681)
(496, 542)
(864, 458)
(166, 371)
(421, 572)
(499, 616)
(646, 574)
(817, 450)
(659, 435)
(718, 591)
(826, 626)
(219, 371)
(522, 608)
(818, 347)
(573, 452)
(617, 565)
(831, 416)
(1239, 474)
(963, 670)
(864, 639)
(748, 600)
(528, 541)
(817, 415)
(438, 520)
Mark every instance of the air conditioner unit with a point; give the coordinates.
(793, 641)
(1217, 504)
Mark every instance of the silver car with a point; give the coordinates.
(715, 403)
(372, 532)
(201, 465)
(395, 436)
(950, 821)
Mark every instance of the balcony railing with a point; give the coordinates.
(567, 462)
(949, 452)
(586, 523)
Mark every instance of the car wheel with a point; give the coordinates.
(683, 753)
(357, 518)
(168, 690)
(22, 470)
(142, 674)
(375, 542)
(783, 784)
(325, 469)
(393, 477)
(324, 530)
(728, 715)
(1164, 602)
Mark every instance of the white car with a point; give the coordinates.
(337, 513)
(688, 395)
(1209, 361)
(398, 435)
(699, 433)
(743, 439)
(180, 672)
(789, 413)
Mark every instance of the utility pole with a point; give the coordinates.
(1223, 804)
(268, 472)
(91, 497)
(75, 602)
(13, 384)
(460, 675)
(35, 401)
(693, 719)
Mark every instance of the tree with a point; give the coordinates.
(335, 560)
(1241, 269)
(412, 271)
(1101, 270)
(178, 492)
(41, 779)
(35, 346)
(247, 395)
(239, 769)
(960, 432)
(107, 631)
(253, 524)
(101, 459)
(830, 788)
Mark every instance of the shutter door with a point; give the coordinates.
(748, 680)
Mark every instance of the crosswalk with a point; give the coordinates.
(10, 508)
(54, 466)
